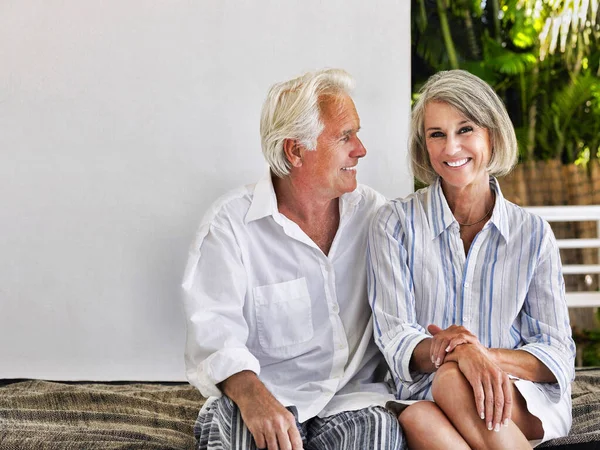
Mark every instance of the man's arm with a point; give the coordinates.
(270, 423)
(217, 358)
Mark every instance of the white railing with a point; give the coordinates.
(589, 213)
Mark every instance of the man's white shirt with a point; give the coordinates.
(260, 295)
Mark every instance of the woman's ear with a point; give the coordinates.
(293, 151)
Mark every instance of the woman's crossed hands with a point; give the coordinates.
(491, 385)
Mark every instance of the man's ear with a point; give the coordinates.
(293, 151)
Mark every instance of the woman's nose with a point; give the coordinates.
(452, 145)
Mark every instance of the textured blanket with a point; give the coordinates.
(47, 415)
(585, 432)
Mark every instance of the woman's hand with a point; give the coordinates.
(445, 341)
(491, 385)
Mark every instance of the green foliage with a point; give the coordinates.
(550, 94)
(588, 341)
(591, 354)
(506, 62)
(571, 123)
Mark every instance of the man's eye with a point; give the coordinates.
(346, 138)
(465, 130)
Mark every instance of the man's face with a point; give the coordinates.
(331, 167)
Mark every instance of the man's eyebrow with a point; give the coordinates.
(350, 131)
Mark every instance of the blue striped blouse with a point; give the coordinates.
(508, 290)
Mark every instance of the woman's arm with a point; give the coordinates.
(420, 360)
(522, 365)
(391, 296)
(543, 322)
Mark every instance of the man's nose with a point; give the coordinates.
(359, 150)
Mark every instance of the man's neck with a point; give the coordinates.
(318, 217)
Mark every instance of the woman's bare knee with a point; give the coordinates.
(417, 414)
(448, 380)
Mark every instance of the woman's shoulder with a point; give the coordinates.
(521, 220)
(520, 214)
(404, 208)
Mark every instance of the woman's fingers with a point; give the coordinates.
(438, 351)
(498, 402)
(463, 338)
(433, 329)
(478, 395)
(508, 400)
(444, 341)
(488, 402)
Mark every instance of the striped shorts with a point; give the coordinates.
(220, 427)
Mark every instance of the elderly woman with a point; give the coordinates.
(466, 288)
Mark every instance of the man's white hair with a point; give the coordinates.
(292, 111)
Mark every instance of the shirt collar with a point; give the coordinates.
(500, 214)
(438, 212)
(440, 216)
(264, 200)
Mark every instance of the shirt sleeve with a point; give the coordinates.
(391, 296)
(214, 289)
(544, 318)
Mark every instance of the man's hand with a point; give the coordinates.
(491, 386)
(271, 424)
(445, 341)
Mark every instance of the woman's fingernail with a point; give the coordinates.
(497, 427)
(437, 362)
(482, 415)
(447, 349)
(490, 427)
(505, 422)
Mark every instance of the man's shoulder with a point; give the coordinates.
(233, 205)
(368, 197)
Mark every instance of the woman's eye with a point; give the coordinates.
(465, 129)
(436, 134)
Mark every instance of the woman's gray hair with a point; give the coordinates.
(292, 111)
(477, 102)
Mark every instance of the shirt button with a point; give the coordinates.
(465, 319)
(336, 308)
(466, 284)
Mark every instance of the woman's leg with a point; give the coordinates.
(529, 425)
(426, 427)
(454, 395)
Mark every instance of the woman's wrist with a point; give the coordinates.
(468, 348)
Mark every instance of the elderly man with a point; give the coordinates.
(279, 329)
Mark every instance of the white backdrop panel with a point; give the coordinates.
(120, 122)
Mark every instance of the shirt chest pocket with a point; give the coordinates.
(283, 314)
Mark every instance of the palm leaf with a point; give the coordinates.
(506, 61)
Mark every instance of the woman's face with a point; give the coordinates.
(458, 149)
